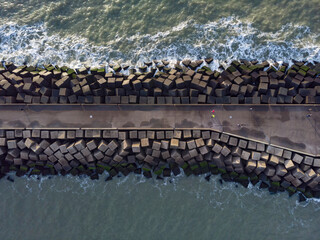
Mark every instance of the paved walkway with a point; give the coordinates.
(287, 126)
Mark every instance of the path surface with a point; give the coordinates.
(285, 125)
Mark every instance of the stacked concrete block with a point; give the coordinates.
(238, 84)
(195, 152)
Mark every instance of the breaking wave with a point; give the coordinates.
(223, 40)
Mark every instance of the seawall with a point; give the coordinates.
(187, 82)
(158, 153)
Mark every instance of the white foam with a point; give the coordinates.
(224, 40)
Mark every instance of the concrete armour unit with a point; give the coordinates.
(194, 151)
(242, 83)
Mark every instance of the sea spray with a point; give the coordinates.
(224, 40)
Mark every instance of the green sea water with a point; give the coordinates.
(99, 32)
(135, 208)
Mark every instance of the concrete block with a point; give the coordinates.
(103, 146)
(228, 160)
(61, 135)
(281, 170)
(164, 144)
(113, 145)
(296, 182)
(169, 100)
(297, 173)
(156, 145)
(225, 151)
(3, 142)
(287, 154)
(58, 154)
(252, 145)
(79, 145)
(233, 141)
(160, 135)
(187, 134)
(199, 142)
(45, 134)
(191, 144)
(126, 144)
(255, 155)
(156, 153)
(278, 152)
(97, 133)
(11, 152)
(209, 143)
(169, 134)
(261, 166)
(203, 150)
(36, 148)
(269, 171)
(91, 145)
(310, 173)
(289, 165)
(71, 148)
(275, 178)
(142, 134)
(182, 145)
(250, 166)
(288, 177)
(224, 138)
(245, 155)
(29, 142)
(308, 160)
(270, 149)
(242, 144)
(274, 160)
(54, 134)
(297, 158)
(52, 158)
(196, 133)
(217, 148)
(149, 159)
(177, 134)
(26, 134)
(18, 133)
(133, 99)
(236, 151)
(71, 134)
(151, 134)
(316, 162)
(123, 135)
(174, 143)
(79, 133)
(193, 153)
(236, 162)
(165, 154)
(205, 134)
(298, 99)
(133, 134)
(85, 152)
(10, 134)
(144, 142)
(136, 147)
(261, 147)
(12, 144)
(161, 100)
(304, 167)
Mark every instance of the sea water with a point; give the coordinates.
(96, 32)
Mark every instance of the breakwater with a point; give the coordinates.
(187, 82)
(160, 154)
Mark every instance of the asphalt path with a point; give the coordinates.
(291, 126)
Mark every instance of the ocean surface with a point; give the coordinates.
(95, 32)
